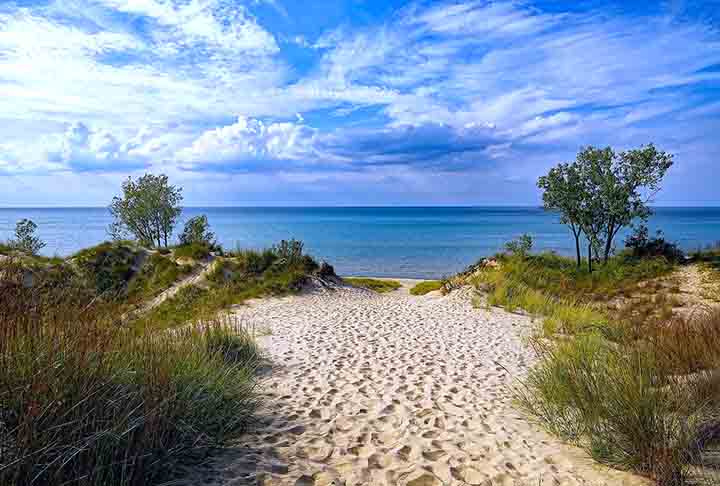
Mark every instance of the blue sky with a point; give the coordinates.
(350, 102)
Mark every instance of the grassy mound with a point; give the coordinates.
(637, 393)
(84, 400)
(425, 287)
(376, 285)
(235, 278)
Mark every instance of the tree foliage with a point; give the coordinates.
(25, 239)
(148, 209)
(520, 246)
(562, 191)
(197, 230)
(604, 191)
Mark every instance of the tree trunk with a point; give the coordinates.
(608, 247)
(577, 249)
(590, 268)
(608, 244)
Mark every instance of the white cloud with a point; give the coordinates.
(248, 140)
(201, 21)
(139, 81)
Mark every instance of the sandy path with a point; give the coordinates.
(372, 389)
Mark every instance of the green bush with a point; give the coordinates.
(193, 251)
(425, 287)
(85, 401)
(376, 285)
(197, 230)
(108, 267)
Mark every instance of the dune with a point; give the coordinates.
(394, 389)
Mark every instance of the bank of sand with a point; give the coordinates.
(394, 389)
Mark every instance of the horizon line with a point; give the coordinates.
(388, 206)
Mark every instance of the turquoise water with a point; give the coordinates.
(399, 242)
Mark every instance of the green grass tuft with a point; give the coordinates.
(376, 285)
(425, 287)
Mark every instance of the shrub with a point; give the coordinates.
(255, 262)
(193, 251)
(289, 252)
(197, 230)
(521, 246)
(85, 401)
(25, 239)
(642, 246)
(425, 287)
(326, 270)
(108, 267)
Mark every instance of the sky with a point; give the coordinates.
(350, 102)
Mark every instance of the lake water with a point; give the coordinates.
(400, 242)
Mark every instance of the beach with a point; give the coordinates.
(393, 389)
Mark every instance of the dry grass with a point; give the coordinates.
(636, 385)
(86, 401)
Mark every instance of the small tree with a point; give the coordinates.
(197, 230)
(25, 239)
(147, 209)
(602, 192)
(562, 191)
(621, 186)
(521, 246)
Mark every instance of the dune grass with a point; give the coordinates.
(376, 285)
(648, 406)
(192, 251)
(709, 256)
(425, 287)
(637, 392)
(84, 400)
(248, 274)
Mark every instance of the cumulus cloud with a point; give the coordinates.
(82, 149)
(248, 140)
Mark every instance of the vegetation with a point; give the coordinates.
(649, 405)
(425, 287)
(709, 256)
(193, 251)
(633, 385)
(243, 275)
(147, 210)
(558, 277)
(197, 231)
(157, 273)
(521, 246)
(25, 239)
(376, 285)
(108, 267)
(641, 245)
(602, 192)
(85, 401)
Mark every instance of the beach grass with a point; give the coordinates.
(85, 400)
(637, 390)
(425, 287)
(376, 285)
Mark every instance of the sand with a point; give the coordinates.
(394, 389)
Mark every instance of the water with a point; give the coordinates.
(398, 242)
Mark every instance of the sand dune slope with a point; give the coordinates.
(371, 389)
